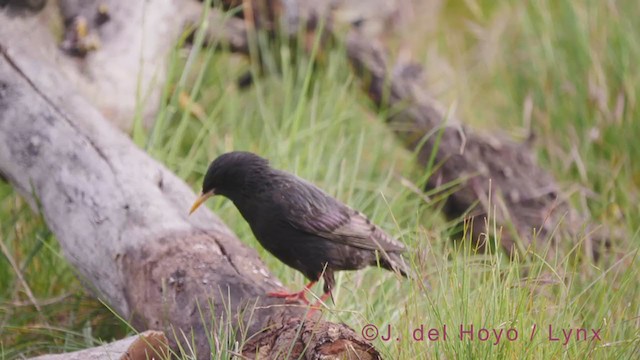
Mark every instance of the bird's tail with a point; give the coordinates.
(395, 262)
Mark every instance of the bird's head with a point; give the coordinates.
(231, 175)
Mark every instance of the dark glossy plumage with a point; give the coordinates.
(299, 223)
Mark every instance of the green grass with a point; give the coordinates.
(566, 71)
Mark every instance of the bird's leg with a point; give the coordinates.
(323, 299)
(318, 304)
(329, 283)
(291, 297)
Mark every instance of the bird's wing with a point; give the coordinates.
(356, 229)
(311, 210)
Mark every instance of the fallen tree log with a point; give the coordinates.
(146, 346)
(121, 219)
(491, 179)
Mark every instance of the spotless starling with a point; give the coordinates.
(298, 223)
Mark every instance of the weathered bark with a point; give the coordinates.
(332, 340)
(121, 217)
(146, 346)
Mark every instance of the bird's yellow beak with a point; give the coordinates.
(202, 198)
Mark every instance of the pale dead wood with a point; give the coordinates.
(115, 52)
(148, 345)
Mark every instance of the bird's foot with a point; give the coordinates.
(290, 297)
(293, 297)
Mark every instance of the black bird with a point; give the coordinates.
(299, 223)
